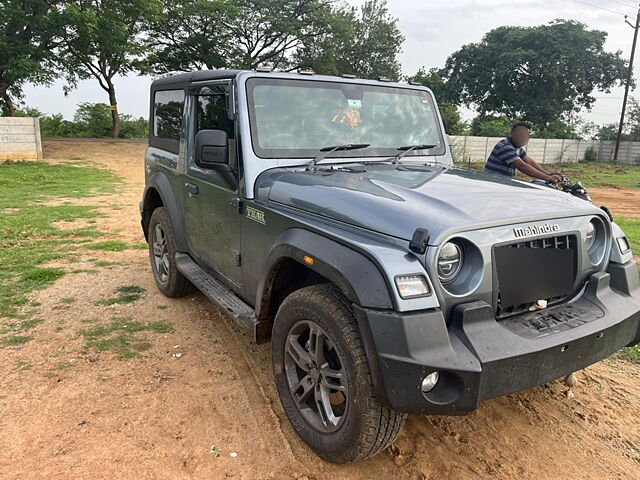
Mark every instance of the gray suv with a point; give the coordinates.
(325, 215)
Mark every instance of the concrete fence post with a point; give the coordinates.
(464, 148)
(36, 126)
(600, 145)
(544, 152)
(486, 146)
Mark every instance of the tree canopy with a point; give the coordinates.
(26, 38)
(245, 34)
(278, 34)
(451, 117)
(101, 39)
(537, 73)
(363, 42)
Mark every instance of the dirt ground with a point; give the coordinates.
(158, 416)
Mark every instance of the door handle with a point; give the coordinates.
(191, 188)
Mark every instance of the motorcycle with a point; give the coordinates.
(576, 189)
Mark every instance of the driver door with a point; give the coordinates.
(212, 220)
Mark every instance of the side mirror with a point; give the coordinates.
(212, 149)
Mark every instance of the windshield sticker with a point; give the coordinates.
(425, 100)
(355, 103)
(255, 215)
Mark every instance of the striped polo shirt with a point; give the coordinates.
(502, 157)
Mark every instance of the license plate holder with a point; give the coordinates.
(529, 274)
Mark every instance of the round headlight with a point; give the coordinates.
(590, 239)
(449, 261)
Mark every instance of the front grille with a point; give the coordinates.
(558, 242)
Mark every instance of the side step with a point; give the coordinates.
(218, 293)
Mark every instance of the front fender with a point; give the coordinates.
(353, 273)
(159, 182)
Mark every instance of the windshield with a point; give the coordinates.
(295, 118)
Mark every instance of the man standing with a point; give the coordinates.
(508, 155)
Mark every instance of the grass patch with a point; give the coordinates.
(591, 174)
(67, 300)
(108, 245)
(130, 289)
(128, 294)
(601, 175)
(119, 299)
(631, 354)
(14, 340)
(161, 307)
(44, 181)
(28, 235)
(22, 365)
(85, 270)
(115, 246)
(19, 327)
(632, 230)
(119, 337)
(104, 263)
(64, 366)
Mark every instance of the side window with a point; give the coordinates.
(167, 114)
(211, 110)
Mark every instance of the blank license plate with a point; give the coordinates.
(529, 274)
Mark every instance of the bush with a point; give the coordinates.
(91, 120)
(590, 155)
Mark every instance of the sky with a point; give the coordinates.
(433, 31)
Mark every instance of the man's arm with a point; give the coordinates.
(530, 170)
(535, 165)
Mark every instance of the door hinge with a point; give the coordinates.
(236, 204)
(236, 257)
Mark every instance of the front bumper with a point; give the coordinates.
(480, 358)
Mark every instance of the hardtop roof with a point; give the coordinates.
(196, 76)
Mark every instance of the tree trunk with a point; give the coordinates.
(115, 116)
(8, 104)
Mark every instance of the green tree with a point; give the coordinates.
(631, 130)
(491, 126)
(192, 35)
(538, 73)
(364, 42)
(26, 39)
(102, 39)
(92, 120)
(451, 118)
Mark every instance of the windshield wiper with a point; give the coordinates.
(324, 151)
(408, 149)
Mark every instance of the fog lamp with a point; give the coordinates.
(430, 381)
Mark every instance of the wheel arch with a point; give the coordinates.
(286, 270)
(159, 193)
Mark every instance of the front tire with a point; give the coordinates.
(162, 254)
(323, 377)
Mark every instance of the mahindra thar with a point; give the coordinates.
(325, 215)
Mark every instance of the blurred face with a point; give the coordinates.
(520, 136)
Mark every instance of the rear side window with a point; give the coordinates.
(167, 114)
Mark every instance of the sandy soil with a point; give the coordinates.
(158, 416)
(621, 202)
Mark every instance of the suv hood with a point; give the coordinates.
(397, 201)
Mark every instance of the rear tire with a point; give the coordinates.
(162, 255)
(323, 377)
